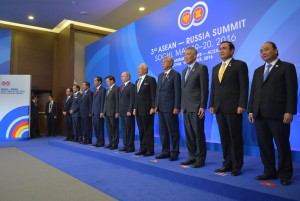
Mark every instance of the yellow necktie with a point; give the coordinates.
(222, 70)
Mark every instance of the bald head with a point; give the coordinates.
(125, 77)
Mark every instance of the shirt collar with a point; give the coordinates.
(168, 71)
(126, 82)
(272, 63)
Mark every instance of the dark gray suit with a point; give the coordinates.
(168, 97)
(126, 104)
(269, 101)
(68, 117)
(194, 96)
(111, 107)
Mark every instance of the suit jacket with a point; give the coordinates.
(232, 92)
(86, 104)
(126, 100)
(98, 101)
(111, 105)
(277, 94)
(145, 97)
(168, 93)
(76, 105)
(67, 104)
(195, 89)
(34, 111)
(54, 110)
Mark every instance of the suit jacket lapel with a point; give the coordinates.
(142, 84)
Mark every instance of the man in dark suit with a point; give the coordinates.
(111, 113)
(68, 117)
(34, 118)
(167, 105)
(77, 131)
(272, 104)
(144, 110)
(194, 102)
(126, 104)
(97, 111)
(86, 104)
(51, 115)
(228, 100)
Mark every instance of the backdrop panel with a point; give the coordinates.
(15, 107)
(204, 25)
(5, 43)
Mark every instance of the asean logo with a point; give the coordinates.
(5, 83)
(193, 16)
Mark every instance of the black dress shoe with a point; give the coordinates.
(101, 145)
(173, 158)
(140, 153)
(108, 146)
(161, 156)
(188, 162)
(75, 140)
(285, 181)
(148, 154)
(265, 177)
(198, 164)
(123, 149)
(129, 150)
(113, 148)
(66, 139)
(87, 142)
(236, 172)
(223, 169)
(95, 145)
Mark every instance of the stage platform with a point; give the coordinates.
(243, 187)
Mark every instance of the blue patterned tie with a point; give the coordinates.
(267, 71)
(187, 73)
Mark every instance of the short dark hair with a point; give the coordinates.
(71, 90)
(231, 45)
(274, 46)
(98, 78)
(87, 83)
(77, 86)
(110, 77)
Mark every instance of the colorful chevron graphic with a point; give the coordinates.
(15, 124)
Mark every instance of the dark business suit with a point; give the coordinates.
(194, 96)
(98, 107)
(68, 117)
(269, 101)
(50, 118)
(77, 131)
(111, 107)
(225, 98)
(34, 120)
(126, 104)
(168, 97)
(86, 104)
(144, 101)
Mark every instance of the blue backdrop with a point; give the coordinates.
(5, 43)
(202, 24)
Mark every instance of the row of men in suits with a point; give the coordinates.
(272, 104)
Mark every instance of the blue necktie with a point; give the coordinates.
(187, 73)
(267, 71)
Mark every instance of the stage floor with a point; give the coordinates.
(125, 176)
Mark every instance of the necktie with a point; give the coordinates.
(222, 71)
(123, 87)
(50, 107)
(164, 77)
(96, 91)
(139, 84)
(187, 72)
(108, 90)
(267, 71)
